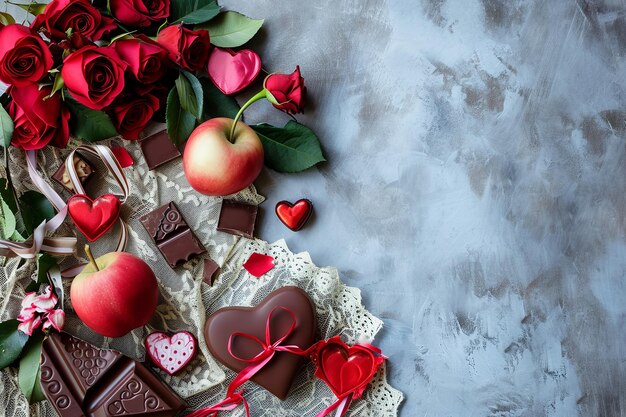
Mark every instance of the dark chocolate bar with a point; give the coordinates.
(172, 235)
(83, 169)
(158, 149)
(237, 218)
(80, 379)
(210, 271)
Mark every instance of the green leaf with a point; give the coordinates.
(216, 104)
(179, 122)
(32, 8)
(179, 9)
(6, 19)
(12, 342)
(190, 93)
(39, 209)
(6, 128)
(231, 29)
(28, 375)
(6, 193)
(58, 84)
(292, 148)
(90, 125)
(201, 15)
(9, 223)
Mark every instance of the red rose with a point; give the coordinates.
(188, 48)
(94, 76)
(38, 120)
(131, 115)
(140, 13)
(286, 91)
(78, 15)
(146, 59)
(24, 56)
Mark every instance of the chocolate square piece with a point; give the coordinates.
(210, 271)
(158, 149)
(167, 227)
(83, 169)
(237, 218)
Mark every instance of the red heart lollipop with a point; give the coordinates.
(93, 217)
(171, 353)
(294, 216)
(233, 71)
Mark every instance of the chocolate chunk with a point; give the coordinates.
(210, 271)
(81, 380)
(277, 375)
(158, 149)
(237, 218)
(83, 169)
(172, 234)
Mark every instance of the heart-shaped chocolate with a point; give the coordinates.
(278, 374)
(171, 353)
(345, 370)
(294, 216)
(233, 71)
(93, 217)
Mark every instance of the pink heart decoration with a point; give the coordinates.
(258, 264)
(171, 353)
(233, 71)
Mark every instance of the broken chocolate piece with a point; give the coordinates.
(237, 218)
(158, 150)
(172, 235)
(210, 271)
(81, 380)
(83, 169)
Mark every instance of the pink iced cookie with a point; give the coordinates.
(171, 353)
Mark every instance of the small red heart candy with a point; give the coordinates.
(171, 353)
(93, 217)
(233, 71)
(346, 370)
(294, 216)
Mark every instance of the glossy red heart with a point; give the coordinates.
(346, 369)
(171, 353)
(93, 217)
(233, 71)
(259, 264)
(294, 216)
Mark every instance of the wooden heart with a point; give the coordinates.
(346, 369)
(278, 374)
(93, 217)
(171, 353)
(294, 216)
(233, 71)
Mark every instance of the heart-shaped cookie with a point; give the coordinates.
(278, 374)
(346, 370)
(294, 216)
(93, 217)
(233, 71)
(171, 353)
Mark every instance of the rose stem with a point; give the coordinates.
(92, 260)
(258, 96)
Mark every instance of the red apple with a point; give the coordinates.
(215, 166)
(116, 296)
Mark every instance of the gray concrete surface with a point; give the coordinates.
(475, 190)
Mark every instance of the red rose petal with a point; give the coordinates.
(259, 264)
(122, 156)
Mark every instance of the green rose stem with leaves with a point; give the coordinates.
(259, 96)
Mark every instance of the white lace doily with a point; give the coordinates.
(185, 300)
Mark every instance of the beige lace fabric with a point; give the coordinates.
(186, 300)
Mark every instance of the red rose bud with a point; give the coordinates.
(24, 56)
(189, 49)
(94, 76)
(38, 120)
(140, 13)
(146, 59)
(286, 92)
(131, 115)
(79, 16)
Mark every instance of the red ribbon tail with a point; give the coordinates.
(341, 405)
(230, 403)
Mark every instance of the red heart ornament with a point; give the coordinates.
(233, 71)
(294, 216)
(171, 354)
(93, 217)
(346, 369)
